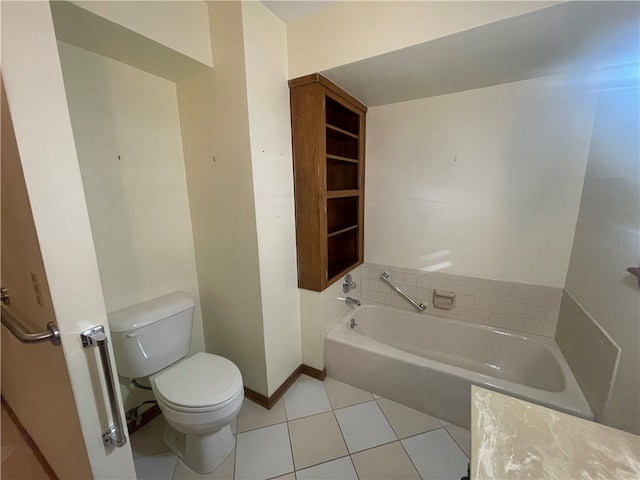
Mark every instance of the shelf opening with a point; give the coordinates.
(342, 252)
(341, 117)
(341, 175)
(341, 145)
(342, 213)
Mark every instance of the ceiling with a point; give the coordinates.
(564, 38)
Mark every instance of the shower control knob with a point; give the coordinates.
(348, 284)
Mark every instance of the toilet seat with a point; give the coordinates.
(203, 382)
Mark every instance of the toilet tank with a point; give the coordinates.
(150, 336)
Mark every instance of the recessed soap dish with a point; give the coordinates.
(444, 299)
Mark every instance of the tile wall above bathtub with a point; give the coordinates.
(516, 306)
(334, 309)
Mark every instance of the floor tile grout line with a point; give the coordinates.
(322, 463)
(175, 467)
(265, 426)
(376, 446)
(399, 440)
(235, 454)
(345, 442)
(456, 442)
(410, 458)
(387, 419)
(293, 459)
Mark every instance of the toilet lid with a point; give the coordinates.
(201, 380)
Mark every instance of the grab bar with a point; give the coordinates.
(51, 334)
(115, 433)
(418, 306)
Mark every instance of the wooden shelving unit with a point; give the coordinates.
(328, 127)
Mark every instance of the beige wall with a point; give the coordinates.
(214, 120)
(353, 30)
(265, 50)
(127, 135)
(34, 377)
(484, 183)
(154, 36)
(607, 237)
(179, 25)
(319, 312)
(36, 97)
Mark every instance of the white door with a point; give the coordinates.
(35, 382)
(36, 99)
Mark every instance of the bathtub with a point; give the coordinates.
(429, 363)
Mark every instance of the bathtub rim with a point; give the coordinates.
(575, 404)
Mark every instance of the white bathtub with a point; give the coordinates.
(430, 363)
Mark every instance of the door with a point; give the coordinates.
(34, 377)
(62, 253)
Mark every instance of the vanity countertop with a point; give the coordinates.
(514, 439)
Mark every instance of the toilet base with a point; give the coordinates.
(201, 453)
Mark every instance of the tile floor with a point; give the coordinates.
(322, 431)
(18, 460)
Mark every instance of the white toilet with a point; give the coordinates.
(199, 396)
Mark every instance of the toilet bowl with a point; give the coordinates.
(199, 396)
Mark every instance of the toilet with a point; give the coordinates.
(199, 396)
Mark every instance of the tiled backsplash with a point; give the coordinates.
(515, 306)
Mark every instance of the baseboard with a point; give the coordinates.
(27, 438)
(148, 415)
(269, 402)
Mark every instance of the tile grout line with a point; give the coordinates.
(456, 442)
(344, 440)
(293, 459)
(399, 439)
(286, 416)
(235, 453)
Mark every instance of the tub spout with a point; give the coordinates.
(352, 302)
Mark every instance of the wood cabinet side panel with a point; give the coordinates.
(361, 180)
(307, 116)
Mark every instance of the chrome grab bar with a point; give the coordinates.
(115, 433)
(52, 334)
(418, 306)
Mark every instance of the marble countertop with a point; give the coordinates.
(514, 439)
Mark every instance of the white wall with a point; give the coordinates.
(353, 30)
(484, 183)
(607, 238)
(36, 97)
(265, 49)
(214, 121)
(127, 135)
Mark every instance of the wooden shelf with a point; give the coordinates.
(342, 193)
(342, 159)
(328, 128)
(340, 130)
(342, 230)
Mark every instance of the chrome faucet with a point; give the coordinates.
(352, 302)
(348, 284)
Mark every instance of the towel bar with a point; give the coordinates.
(418, 306)
(51, 334)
